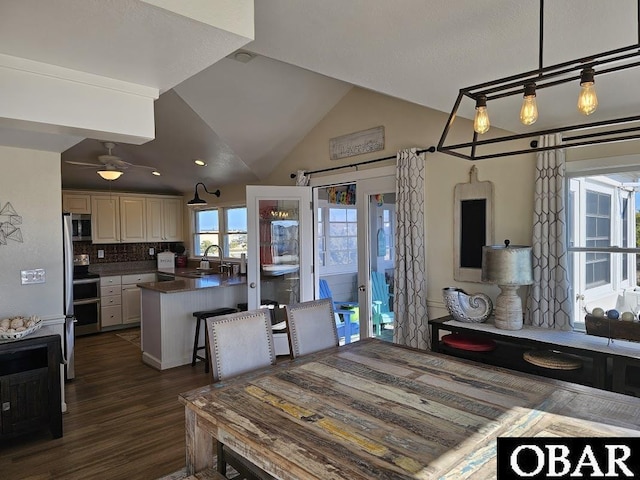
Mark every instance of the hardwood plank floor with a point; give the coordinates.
(124, 420)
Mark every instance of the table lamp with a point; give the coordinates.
(509, 266)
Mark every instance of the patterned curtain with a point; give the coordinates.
(549, 303)
(410, 278)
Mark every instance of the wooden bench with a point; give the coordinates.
(208, 474)
(608, 365)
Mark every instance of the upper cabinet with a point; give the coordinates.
(105, 219)
(76, 202)
(164, 219)
(135, 218)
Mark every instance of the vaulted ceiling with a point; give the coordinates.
(243, 118)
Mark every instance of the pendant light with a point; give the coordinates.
(197, 201)
(616, 128)
(587, 100)
(529, 110)
(481, 122)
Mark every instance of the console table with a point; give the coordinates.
(607, 364)
(30, 392)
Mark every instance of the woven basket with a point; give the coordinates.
(552, 360)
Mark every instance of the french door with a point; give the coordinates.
(355, 246)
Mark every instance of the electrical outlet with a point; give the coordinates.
(152, 251)
(28, 277)
(100, 253)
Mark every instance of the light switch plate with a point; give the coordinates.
(28, 277)
(152, 251)
(100, 253)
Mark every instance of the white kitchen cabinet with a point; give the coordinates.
(164, 219)
(110, 301)
(132, 219)
(105, 219)
(136, 218)
(131, 296)
(76, 202)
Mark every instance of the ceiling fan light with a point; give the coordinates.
(110, 174)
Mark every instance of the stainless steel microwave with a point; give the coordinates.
(81, 227)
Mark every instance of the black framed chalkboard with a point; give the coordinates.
(473, 232)
(472, 226)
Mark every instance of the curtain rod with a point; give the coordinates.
(356, 165)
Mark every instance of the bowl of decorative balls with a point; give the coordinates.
(613, 324)
(14, 328)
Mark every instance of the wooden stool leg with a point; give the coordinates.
(206, 349)
(195, 342)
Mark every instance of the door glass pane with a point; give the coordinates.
(279, 244)
(381, 260)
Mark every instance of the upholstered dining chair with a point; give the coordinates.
(239, 343)
(311, 326)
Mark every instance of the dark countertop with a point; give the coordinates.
(184, 284)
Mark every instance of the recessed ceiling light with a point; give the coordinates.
(199, 162)
(156, 173)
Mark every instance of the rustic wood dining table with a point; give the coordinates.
(372, 409)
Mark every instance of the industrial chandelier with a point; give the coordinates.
(581, 71)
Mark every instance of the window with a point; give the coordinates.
(601, 223)
(337, 239)
(598, 222)
(226, 227)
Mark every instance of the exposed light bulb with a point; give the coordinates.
(529, 110)
(587, 100)
(481, 122)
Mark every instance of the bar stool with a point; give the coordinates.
(200, 319)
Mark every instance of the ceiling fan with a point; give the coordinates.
(111, 166)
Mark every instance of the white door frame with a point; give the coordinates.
(385, 174)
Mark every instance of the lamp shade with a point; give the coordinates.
(507, 265)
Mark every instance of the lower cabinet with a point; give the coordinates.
(30, 395)
(131, 311)
(110, 301)
(120, 299)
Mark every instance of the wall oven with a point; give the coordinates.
(86, 304)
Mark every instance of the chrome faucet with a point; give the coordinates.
(223, 268)
(204, 257)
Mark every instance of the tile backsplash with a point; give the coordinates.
(121, 252)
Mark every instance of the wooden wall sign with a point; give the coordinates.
(357, 143)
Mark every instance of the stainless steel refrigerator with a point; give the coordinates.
(69, 334)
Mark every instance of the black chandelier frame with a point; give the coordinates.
(608, 131)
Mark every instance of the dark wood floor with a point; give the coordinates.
(124, 420)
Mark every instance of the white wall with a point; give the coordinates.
(30, 181)
(409, 125)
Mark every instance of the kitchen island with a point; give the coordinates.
(167, 327)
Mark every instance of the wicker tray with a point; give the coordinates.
(19, 335)
(605, 327)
